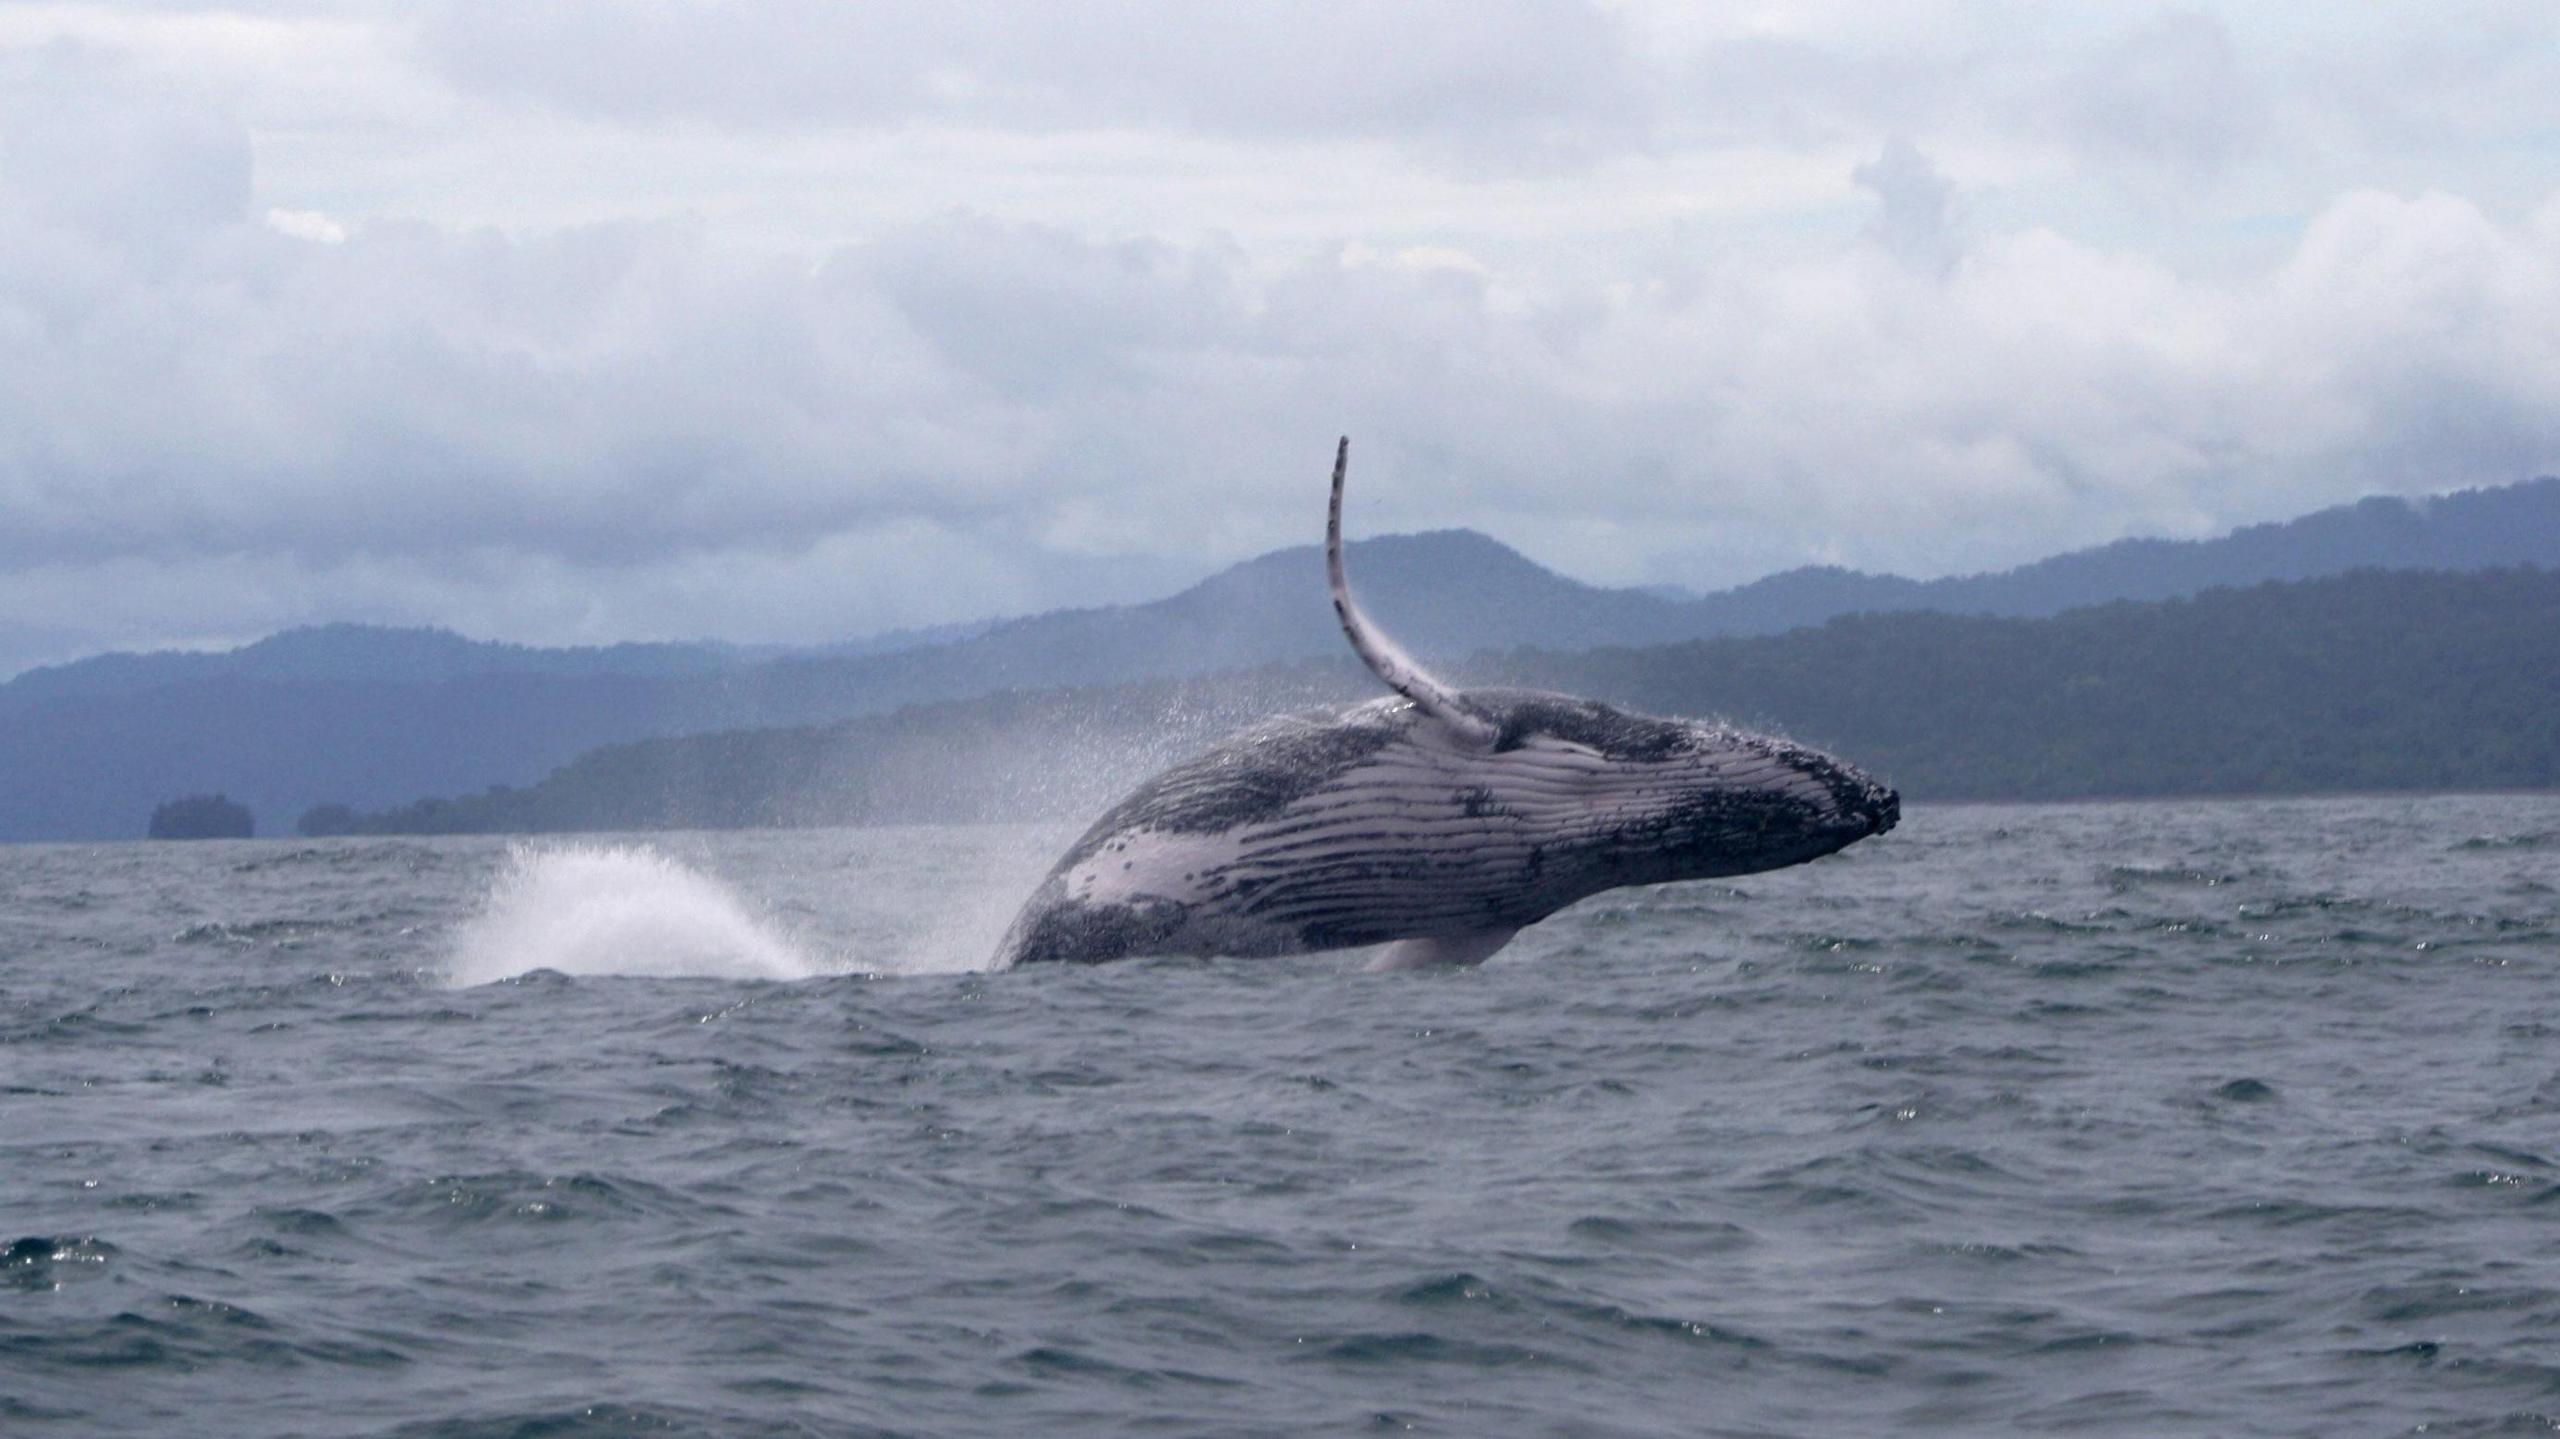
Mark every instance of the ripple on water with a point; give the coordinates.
(2528, 840)
(46, 1262)
(2125, 1119)
(1657, 1236)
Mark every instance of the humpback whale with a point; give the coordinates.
(1435, 820)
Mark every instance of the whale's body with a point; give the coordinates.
(1438, 819)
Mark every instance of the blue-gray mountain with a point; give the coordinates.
(2368, 681)
(373, 718)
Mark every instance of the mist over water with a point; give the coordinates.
(2135, 1119)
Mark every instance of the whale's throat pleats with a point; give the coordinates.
(1420, 840)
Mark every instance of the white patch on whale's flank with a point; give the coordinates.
(1150, 863)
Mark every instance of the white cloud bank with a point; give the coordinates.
(226, 405)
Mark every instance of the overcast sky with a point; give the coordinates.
(583, 320)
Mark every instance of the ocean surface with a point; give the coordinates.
(2232, 1118)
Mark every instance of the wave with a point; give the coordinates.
(2532, 839)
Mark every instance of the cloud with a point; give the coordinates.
(307, 225)
(87, 148)
(1070, 301)
(1915, 223)
(632, 428)
(2172, 93)
(1029, 310)
(1488, 80)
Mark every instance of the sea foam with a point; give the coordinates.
(617, 910)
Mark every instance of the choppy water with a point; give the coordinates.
(2233, 1118)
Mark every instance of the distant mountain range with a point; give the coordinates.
(372, 717)
(358, 653)
(2373, 680)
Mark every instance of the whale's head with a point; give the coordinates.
(1639, 799)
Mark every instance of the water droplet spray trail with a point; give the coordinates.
(618, 909)
(632, 909)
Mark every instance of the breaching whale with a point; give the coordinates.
(1437, 820)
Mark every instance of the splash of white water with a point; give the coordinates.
(616, 909)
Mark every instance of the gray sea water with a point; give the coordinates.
(2140, 1119)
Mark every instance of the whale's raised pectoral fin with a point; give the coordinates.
(1442, 951)
(1385, 658)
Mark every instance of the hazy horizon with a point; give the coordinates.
(564, 323)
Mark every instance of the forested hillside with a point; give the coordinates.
(369, 717)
